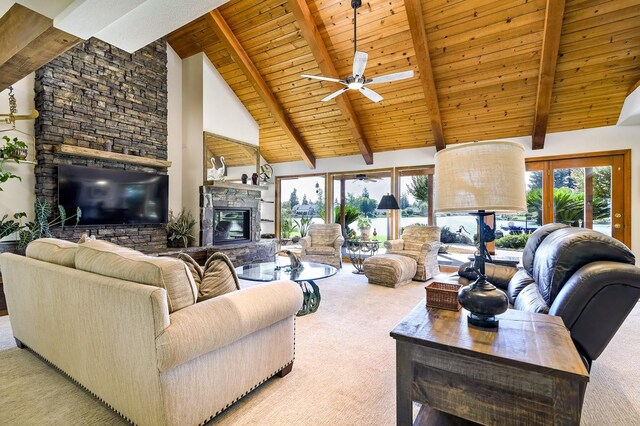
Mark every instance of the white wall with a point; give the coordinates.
(19, 196)
(174, 128)
(208, 104)
(223, 112)
(192, 125)
(578, 141)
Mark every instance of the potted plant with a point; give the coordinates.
(42, 224)
(364, 225)
(180, 229)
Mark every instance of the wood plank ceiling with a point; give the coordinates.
(485, 58)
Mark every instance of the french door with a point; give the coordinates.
(588, 191)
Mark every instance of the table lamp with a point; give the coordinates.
(481, 178)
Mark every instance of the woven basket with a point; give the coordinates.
(443, 295)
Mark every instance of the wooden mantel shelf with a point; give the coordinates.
(111, 156)
(234, 185)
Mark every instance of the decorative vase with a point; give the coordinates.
(244, 178)
(254, 179)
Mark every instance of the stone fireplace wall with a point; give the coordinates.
(214, 196)
(93, 95)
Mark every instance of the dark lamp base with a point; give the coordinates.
(482, 320)
(484, 301)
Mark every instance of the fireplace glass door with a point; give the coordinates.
(231, 225)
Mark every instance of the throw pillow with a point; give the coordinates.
(195, 269)
(219, 277)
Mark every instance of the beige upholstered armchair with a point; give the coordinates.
(323, 244)
(420, 243)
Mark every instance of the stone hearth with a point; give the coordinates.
(220, 195)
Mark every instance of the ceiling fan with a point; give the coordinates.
(357, 79)
(361, 177)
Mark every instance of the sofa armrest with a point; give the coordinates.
(215, 323)
(394, 244)
(498, 275)
(305, 242)
(595, 301)
(427, 249)
(338, 243)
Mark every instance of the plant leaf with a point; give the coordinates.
(63, 216)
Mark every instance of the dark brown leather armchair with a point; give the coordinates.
(583, 276)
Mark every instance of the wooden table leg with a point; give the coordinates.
(404, 404)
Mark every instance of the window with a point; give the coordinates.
(415, 196)
(300, 202)
(360, 194)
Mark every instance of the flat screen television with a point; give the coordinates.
(113, 197)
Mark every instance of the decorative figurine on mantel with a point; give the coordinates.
(215, 173)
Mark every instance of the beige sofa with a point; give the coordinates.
(83, 308)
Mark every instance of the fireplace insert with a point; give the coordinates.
(231, 225)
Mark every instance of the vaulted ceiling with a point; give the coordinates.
(490, 69)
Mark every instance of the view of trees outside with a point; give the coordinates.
(568, 197)
(363, 197)
(414, 200)
(512, 230)
(302, 203)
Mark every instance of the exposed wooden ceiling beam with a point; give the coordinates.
(311, 34)
(243, 60)
(546, 75)
(28, 41)
(419, 37)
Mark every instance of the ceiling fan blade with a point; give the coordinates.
(359, 63)
(319, 77)
(334, 94)
(390, 77)
(370, 94)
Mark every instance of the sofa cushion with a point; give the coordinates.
(320, 250)
(111, 260)
(413, 254)
(324, 234)
(53, 250)
(534, 241)
(531, 300)
(414, 236)
(566, 250)
(218, 278)
(519, 281)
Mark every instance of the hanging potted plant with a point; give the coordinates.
(13, 149)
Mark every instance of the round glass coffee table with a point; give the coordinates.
(305, 277)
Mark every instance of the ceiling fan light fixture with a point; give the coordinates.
(355, 85)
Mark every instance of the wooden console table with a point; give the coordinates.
(528, 371)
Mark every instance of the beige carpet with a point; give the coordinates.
(343, 373)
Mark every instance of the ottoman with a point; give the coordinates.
(389, 270)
